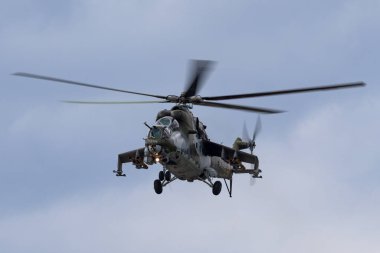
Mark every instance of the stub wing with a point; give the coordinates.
(134, 156)
(226, 153)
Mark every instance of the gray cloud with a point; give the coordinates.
(307, 201)
(319, 191)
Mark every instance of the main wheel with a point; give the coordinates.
(161, 175)
(217, 188)
(168, 176)
(157, 186)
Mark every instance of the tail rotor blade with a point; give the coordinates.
(252, 180)
(257, 128)
(245, 135)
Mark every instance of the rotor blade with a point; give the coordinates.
(112, 102)
(245, 135)
(257, 128)
(48, 78)
(290, 91)
(198, 73)
(239, 107)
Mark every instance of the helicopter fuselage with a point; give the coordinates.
(175, 141)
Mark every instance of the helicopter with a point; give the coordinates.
(178, 140)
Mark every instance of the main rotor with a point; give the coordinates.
(199, 70)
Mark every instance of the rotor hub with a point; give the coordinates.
(172, 98)
(195, 99)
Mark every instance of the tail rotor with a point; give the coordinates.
(251, 142)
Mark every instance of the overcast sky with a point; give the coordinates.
(320, 190)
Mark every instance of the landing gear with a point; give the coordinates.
(164, 178)
(165, 175)
(217, 188)
(157, 186)
(161, 175)
(119, 173)
(168, 176)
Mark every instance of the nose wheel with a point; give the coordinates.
(161, 175)
(164, 178)
(157, 186)
(168, 176)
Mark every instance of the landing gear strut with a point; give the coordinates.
(216, 187)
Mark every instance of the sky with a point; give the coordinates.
(320, 188)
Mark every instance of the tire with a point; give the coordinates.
(161, 175)
(157, 186)
(168, 176)
(217, 188)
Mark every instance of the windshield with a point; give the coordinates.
(168, 122)
(155, 132)
(165, 121)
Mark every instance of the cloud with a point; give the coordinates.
(320, 187)
(305, 202)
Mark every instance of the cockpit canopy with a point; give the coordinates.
(155, 132)
(168, 121)
(164, 127)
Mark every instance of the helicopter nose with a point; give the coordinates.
(155, 149)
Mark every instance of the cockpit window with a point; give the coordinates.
(165, 121)
(164, 127)
(155, 132)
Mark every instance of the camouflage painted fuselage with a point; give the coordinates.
(175, 141)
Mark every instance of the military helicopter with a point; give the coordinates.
(178, 140)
